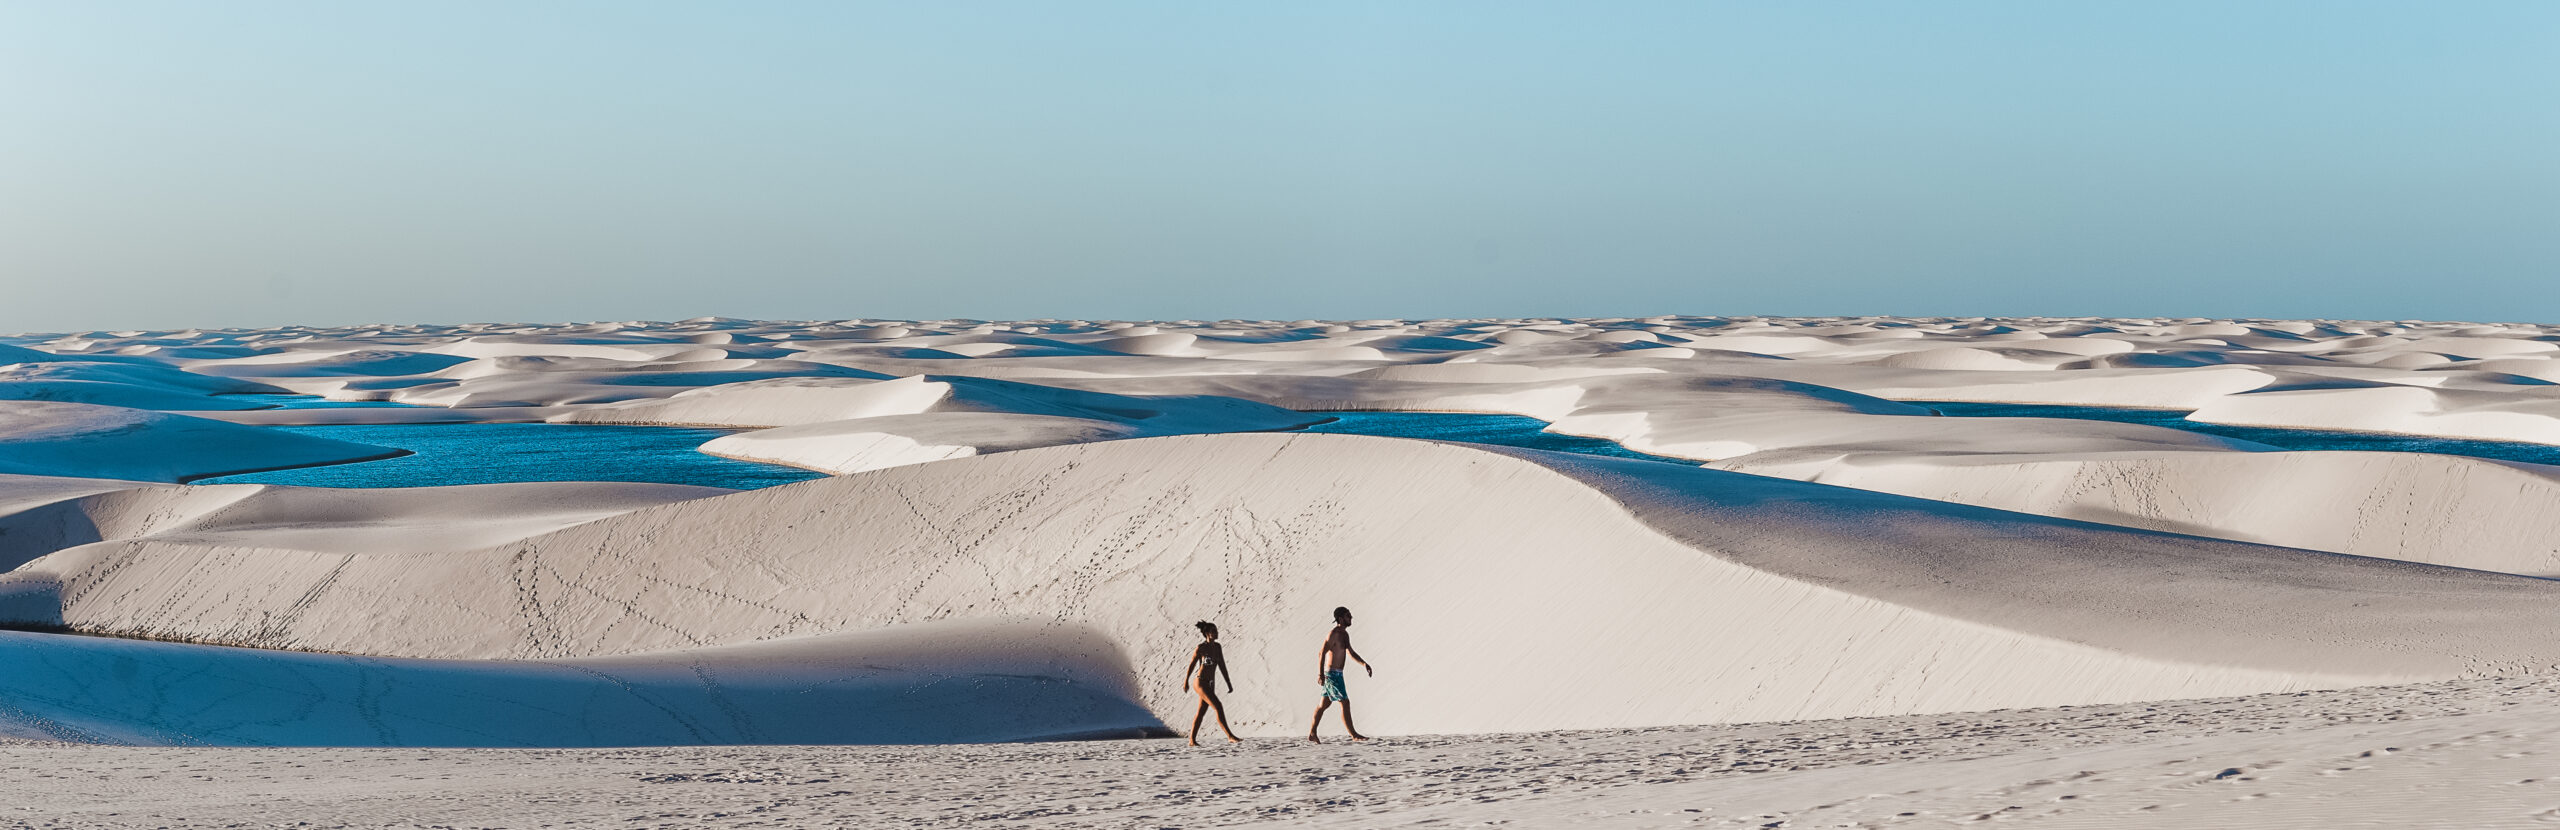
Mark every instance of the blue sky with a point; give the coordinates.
(257, 163)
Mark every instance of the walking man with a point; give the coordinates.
(1337, 645)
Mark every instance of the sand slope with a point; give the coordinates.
(87, 441)
(952, 682)
(38, 520)
(852, 425)
(2524, 413)
(1679, 595)
(2446, 510)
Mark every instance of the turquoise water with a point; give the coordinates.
(1518, 431)
(492, 453)
(1504, 430)
(305, 402)
(442, 454)
(2291, 439)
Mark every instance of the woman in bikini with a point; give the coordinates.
(1208, 660)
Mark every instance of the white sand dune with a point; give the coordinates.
(324, 362)
(2137, 387)
(773, 403)
(879, 442)
(2446, 510)
(134, 385)
(87, 441)
(538, 372)
(851, 425)
(391, 522)
(33, 521)
(947, 682)
(597, 345)
(1700, 596)
(1670, 421)
(997, 481)
(113, 394)
(42, 514)
(2527, 413)
(376, 415)
(2476, 381)
(548, 381)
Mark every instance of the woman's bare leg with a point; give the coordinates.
(1221, 707)
(1195, 721)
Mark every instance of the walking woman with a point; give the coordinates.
(1206, 662)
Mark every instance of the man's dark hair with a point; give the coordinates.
(1339, 613)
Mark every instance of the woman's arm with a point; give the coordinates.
(1230, 673)
(1187, 667)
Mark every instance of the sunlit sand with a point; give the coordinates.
(1024, 518)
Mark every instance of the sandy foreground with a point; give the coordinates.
(2479, 753)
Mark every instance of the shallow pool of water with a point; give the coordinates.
(2291, 439)
(1504, 430)
(304, 402)
(443, 454)
(493, 453)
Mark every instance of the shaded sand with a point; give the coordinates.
(44, 438)
(946, 682)
(2442, 509)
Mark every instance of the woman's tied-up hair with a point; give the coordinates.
(1207, 628)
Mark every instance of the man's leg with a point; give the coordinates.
(1327, 703)
(1346, 723)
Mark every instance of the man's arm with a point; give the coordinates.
(1355, 655)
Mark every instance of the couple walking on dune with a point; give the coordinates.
(1209, 659)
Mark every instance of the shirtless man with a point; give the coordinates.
(1329, 674)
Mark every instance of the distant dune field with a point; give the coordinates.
(1024, 519)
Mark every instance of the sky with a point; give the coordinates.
(250, 163)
